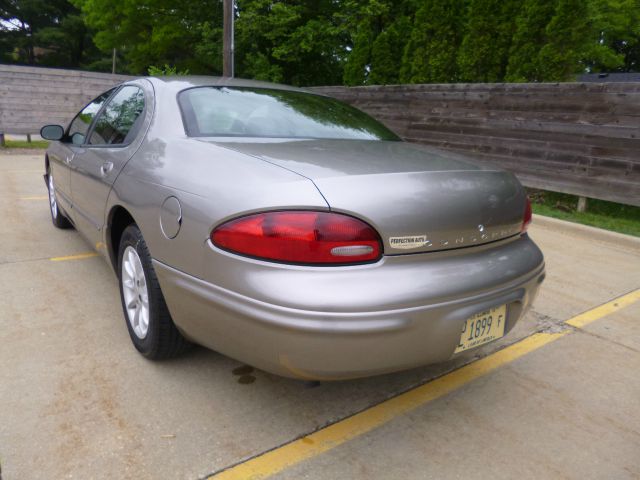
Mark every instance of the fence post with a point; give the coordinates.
(582, 204)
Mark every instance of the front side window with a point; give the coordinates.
(79, 126)
(264, 112)
(118, 122)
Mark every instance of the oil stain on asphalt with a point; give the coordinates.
(244, 372)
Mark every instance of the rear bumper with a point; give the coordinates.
(369, 323)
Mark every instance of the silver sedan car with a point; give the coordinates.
(288, 230)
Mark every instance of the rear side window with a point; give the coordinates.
(80, 125)
(119, 121)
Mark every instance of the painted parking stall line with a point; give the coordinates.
(35, 197)
(79, 256)
(334, 435)
(41, 172)
(582, 320)
(280, 458)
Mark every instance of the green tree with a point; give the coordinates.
(567, 39)
(530, 35)
(630, 51)
(356, 68)
(165, 70)
(21, 19)
(45, 32)
(387, 51)
(484, 54)
(322, 42)
(67, 44)
(436, 34)
(297, 42)
(615, 36)
(154, 32)
(557, 39)
(377, 32)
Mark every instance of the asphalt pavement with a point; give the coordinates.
(558, 397)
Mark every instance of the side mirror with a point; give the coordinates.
(52, 132)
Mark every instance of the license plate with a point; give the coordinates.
(483, 327)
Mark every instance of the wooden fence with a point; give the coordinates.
(31, 97)
(579, 138)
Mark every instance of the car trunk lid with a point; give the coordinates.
(419, 199)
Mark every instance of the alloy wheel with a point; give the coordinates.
(136, 295)
(53, 204)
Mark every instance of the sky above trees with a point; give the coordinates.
(329, 42)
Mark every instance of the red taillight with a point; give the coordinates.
(526, 220)
(300, 237)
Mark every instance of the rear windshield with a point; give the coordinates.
(262, 112)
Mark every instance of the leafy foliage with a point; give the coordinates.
(152, 32)
(530, 32)
(47, 32)
(567, 37)
(295, 42)
(166, 70)
(325, 42)
(615, 36)
(483, 55)
(375, 48)
(436, 36)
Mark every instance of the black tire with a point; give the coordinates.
(162, 339)
(58, 219)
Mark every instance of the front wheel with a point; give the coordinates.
(150, 326)
(57, 218)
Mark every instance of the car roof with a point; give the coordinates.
(182, 82)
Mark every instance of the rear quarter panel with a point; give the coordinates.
(212, 185)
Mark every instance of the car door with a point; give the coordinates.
(61, 157)
(112, 141)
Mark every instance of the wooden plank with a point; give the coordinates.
(590, 111)
(592, 136)
(79, 85)
(418, 111)
(56, 72)
(537, 88)
(433, 113)
(608, 150)
(54, 89)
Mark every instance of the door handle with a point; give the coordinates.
(106, 168)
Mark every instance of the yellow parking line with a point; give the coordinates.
(594, 314)
(79, 256)
(332, 436)
(338, 433)
(37, 197)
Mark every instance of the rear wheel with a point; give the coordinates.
(57, 218)
(150, 326)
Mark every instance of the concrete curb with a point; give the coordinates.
(594, 233)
